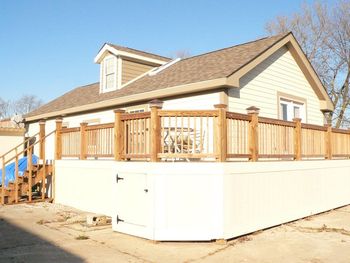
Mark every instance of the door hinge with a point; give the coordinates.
(119, 220)
(117, 178)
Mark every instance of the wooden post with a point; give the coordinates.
(58, 140)
(3, 181)
(83, 142)
(30, 172)
(155, 105)
(253, 133)
(221, 133)
(328, 142)
(41, 139)
(118, 135)
(297, 139)
(16, 176)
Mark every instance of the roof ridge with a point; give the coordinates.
(138, 50)
(241, 44)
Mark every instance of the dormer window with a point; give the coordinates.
(109, 74)
(119, 66)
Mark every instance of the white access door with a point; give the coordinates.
(133, 204)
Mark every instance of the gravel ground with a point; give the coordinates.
(45, 232)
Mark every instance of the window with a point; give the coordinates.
(290, 109)
(136, 111)
(109, 74)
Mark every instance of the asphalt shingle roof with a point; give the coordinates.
(216, 64)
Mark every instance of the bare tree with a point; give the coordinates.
(324, 34)
(26, 103)
(5, 109)
(23, 105)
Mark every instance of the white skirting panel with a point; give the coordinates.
(201, 201)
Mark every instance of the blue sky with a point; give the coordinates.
(47, 47)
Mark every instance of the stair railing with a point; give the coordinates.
(29, 148)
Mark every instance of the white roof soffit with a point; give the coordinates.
(108, 48)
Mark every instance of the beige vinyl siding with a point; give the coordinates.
(278, 74)
(131, 70)
(204, 101)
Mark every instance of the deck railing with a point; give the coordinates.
(217, 134)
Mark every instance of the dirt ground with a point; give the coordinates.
(45, 232)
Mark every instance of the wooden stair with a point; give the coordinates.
(23, 187)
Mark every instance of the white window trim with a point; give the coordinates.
(291, 103)
(117, 74)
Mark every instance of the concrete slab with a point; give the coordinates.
(49, 233)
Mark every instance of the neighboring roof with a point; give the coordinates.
(219, 64)
(139, 52)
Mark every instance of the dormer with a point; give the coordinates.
(121, 65)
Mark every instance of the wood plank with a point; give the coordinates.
(237, 116)
(188, 113)
(276, 122)
(100, 126)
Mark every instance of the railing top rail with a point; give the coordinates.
(188, 113)
(313, 127)
(30, 146)
(68, 130)
(100, 126)
(276, 122)
(135, 116)
(237, 116)
(335, 130)
(22, 143)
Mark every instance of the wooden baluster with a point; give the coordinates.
(16, 176)
(297, 139)
(41, 139)
(43, 183)
(155, 106)
(118, 135)
(3, 181)
(30, 172)
(328, 142)
(83, 142)
(253, 133)
(58, 140)
(221, 133)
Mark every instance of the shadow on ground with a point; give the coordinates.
(18, 245)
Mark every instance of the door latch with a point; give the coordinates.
(119, 220)
(117, 178)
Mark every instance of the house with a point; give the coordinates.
(173, 191)
(271, 73)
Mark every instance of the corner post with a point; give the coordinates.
(155, 106)
(3, 181)
(253, 137)
(41, 139)
(83, 142)
(58, 139)
(30, 172)
(118, 135)
(328, 142)
(297, 139)
(221, 133)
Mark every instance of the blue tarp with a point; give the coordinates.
(22, 167)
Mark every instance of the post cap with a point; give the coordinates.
(59, 119)
(42, 122)
(253, 110)
(156, 104)
(297, 119)
(83, 123)
(220, 106)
